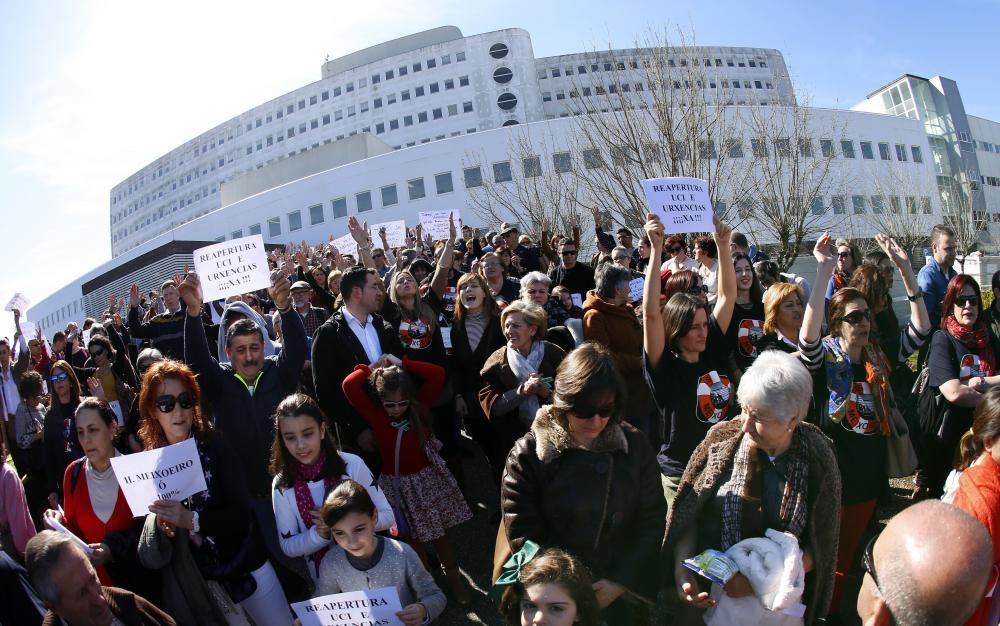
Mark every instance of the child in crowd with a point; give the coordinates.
(554, 589)
(414, 476)
(306, 466)
(363, 560)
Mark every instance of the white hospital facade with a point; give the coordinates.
(387, 132)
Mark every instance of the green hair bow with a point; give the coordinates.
(510, 573)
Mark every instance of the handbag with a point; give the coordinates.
(401, 531)
(901, 457)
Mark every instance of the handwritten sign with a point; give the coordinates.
(683, 204)
(371, 606)
(19, 302)
(28, 330)
(232, 268)
(346, 245)
(436, 223)
(395, 233)
(635, 287)
(170, 473)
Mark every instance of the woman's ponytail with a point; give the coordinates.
(969, 449)
(985, 427)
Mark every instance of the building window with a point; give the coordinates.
(315, 214)
(555, 72)
(925, 205)
(415, 188)
(379, 128)
(883, 152)
(507, 101)
(339, 208)
(364, 200)
(900, 152)
(805, 147)
(859, 204)
(417, 66)
(592, 159)
(877, 205)
(437, 114)
(459, 57)
(838, 205)
(758, 148)
(918, 156)
(866, 150)
(531, 166)
(254, 229)
(847, 148)
(449, 83)
(349, 88)
(312, 100)
(407, 120)
(403, 70)
(294, 221)
(499, 50)
(473, 177)
(562, 162)
(734, 148)
(443, 183)
(393, 124)
(274, 227)
(911, 205)
(463, 81)
(467, 107)
(431, 63)
(390, 99)
(434, 88)
(389, 196)
(418, 92)
(826, 148)
(452, 109)
(336, 92)
(818, 207)
(501, 172)
(376, 78)
(405, 94)
(389, 75)
(503, 75)
(895, 205)
(783, 147)
(377, 103)
(422, 116)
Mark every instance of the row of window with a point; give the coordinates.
(403, 70)
(842, 204)
(608, 66)
(989, 147)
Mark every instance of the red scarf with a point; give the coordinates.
(976, 339)
(305, 474)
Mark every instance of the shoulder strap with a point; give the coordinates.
(74, 474)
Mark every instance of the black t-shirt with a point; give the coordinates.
(579, 279)
(531, 258)
(693, 396)
(510, 290)
(774, 342)
(419, 341)
(950, 359)
(745, 332)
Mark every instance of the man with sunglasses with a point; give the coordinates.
(930, 566)
(577, 277)
(245, 392)
(678, 260)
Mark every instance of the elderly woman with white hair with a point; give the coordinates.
(536, 288)
(767, 469)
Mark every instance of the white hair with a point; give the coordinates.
(530, 279)
(777, 384)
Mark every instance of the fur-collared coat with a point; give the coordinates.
(710, 465)
(604, 505)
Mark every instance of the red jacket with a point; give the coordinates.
(80, 517)
(412, 459)
(979, 495)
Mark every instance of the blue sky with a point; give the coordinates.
(93, 91)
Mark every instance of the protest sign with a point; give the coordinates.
(28, 329)
(232, 267)
(19, 302)
(370, 606)
(436, 223)
(170, 473)
(577, 299)
(346, 245)
(395, 233)
(635, 287)
(683, 204)
(55, 525)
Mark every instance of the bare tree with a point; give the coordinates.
(789, 177)
(901, 206)
(958, 201)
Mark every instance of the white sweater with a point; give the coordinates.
(293, 536)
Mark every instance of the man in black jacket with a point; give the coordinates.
(166, 330)
(245, 392)
(353, 335)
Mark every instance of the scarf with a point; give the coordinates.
(524, 366)
(741, 503)
(305, 474)
(840, 381)
(840, 280)
(976, 339)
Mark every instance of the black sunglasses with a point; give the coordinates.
(868, 560)
(166, 404)
(676, 249)
(698, 290)
(961, 301)
(856, 317)
(98, 352)
(587, 412)
(568, 252)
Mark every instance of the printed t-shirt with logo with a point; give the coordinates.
(420, 343)
(950, 359)
(745, 332)
(693, 396)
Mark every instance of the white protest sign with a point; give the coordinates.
(682, 204)
(370, 606)
(635, 287)
(436, 223)
(232, 268)
(19, 302)
(395, 233)
(577, 299)
(169, 473)
(28, 329)
(55, 525)
(346, 245)
(446, 337)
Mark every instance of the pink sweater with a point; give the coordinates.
(14, 516)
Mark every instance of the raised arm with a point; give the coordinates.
(196, 351)
(439, 284)
(360, 235)
(726, 300)
(919, 316)
(652, 327)
(812, 319)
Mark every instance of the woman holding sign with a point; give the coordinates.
(213, 528)
(95, 507)
(687, 356)
(61, 445)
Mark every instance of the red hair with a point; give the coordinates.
(150, 432)
(680, 281)
(955, 288)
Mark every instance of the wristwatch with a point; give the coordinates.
(916, 296)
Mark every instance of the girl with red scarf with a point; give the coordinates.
(306, 467)
(962, 365)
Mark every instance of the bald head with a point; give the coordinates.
(933, 562)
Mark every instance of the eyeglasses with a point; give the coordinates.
(676, 249)
(402, 404)
(868, 560)
(698, 289)
(856, 317)
(96, 352)
(568, 252)
(619, 258)
(844, 255)
(962, 301)
(378, 256)
(58, 377)
(588, 413)
(166, 404)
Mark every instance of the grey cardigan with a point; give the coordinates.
(400, 567)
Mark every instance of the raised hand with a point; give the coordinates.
(723, 232)
(278, 291)
(358, 232)
(654, 231)
(134, 296)
(95, 388)
(823, 252)
(452, 231)
(894, 250)
(596, 214)
(189, 290)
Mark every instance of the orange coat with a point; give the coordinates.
(979, 495)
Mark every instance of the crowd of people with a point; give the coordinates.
(728, 409)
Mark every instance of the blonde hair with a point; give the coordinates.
(533, 314)
(773, 297)
(421, 310)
